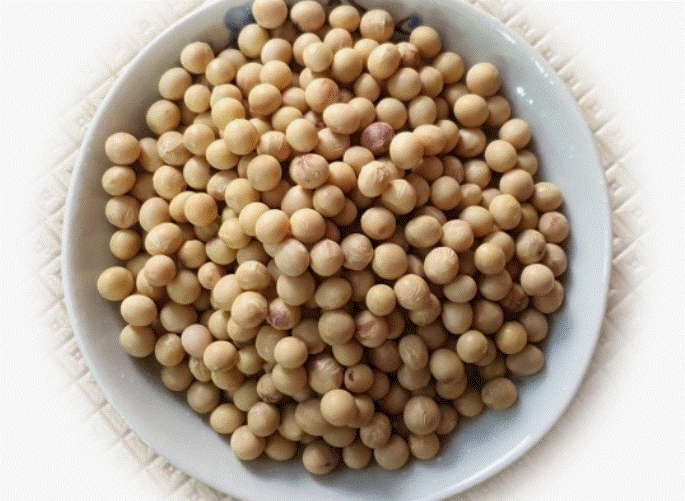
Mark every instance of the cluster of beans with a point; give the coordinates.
(332, 239)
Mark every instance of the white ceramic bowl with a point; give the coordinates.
(480, 447)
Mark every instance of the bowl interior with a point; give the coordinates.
(480, 447)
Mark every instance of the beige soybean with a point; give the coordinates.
(346, 17)
(471, 195)
(377, 24)
(307, 225)
(472, 142)
(547, 197)
(551, 302)
(457, 235)
(370, 330)
(338, 38)
(427, 40)
(279, 448)
(115, 283)
(457, 317)
(348, 354)
(196, 98)
(241, 136)
(495, 287)
(554, 227)
(423, 231)
(499, 393)
(516, 132)
(471, 110)
(499, 110)
(445, 193)
(341, 118)
(246, 445)
(555, 259)
(412, 292)
(527, 362)
(389, 261)
(301, 135)
(275, 144)
(253, 275)
(336, 327)
(432, 83)
(413, 352)
(451, 65)
(122, 211)
(530, 247)
(392, 112)
(421, 110)
(358, 378)
(511, 338)
(366, 85)
(529, 218)
(365, 108)
(118, 180)
(537, 279)
(272, 226)
(296, 291)
(500, 156)
(321, 93)
(318, 457)
(197, 172)
(444, 365)
(469, 403)
(347, 67)
(424, 446)
(159, 270)
(393, 455)
(177, 378)
(122, 148)
(441, 265)
(270, 14)
(264, 172)
(264, 99)
(517, 183)
(378, 223)
(383, 61)
(277, 49)
(326, 258)
(226, 110)
(328, 200)
(317, 56)
(249, 215)
(163, 116)
(357, 251)
(381, 300)
(506, 211)
(125, 244)
(292, 258)
(356, 455)
(174, 82)
(308, 15)
(338, 407)
(421, 415)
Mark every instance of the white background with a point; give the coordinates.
(629, 446)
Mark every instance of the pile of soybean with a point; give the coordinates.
(333, 242)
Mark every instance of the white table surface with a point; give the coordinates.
(623, 441)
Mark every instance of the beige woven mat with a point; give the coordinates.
(121, 446)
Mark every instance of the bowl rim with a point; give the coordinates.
(604, 220)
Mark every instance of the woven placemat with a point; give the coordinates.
(125, 450)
